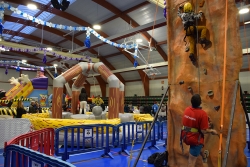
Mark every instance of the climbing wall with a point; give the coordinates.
(194, 76)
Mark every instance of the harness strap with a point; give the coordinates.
(188, 129)
(186, 34)
(181, 143)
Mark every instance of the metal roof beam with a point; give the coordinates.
(134, 24)
(142, 28)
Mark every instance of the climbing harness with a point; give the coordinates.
(183, 136)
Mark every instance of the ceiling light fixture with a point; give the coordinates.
(247, 22)
(138, 40)
(32, 6)
(49, 49)
(97, 27)
(24, 61)
(243, 10)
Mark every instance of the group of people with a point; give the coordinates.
(33, 108)
(147, 109)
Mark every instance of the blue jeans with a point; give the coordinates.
(195, 150)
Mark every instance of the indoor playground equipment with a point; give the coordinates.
(81, 70)
(44, 120)
(20, 90)
(24, 87)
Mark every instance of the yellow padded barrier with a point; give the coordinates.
(40, 121)
(8, 111)
(143, 117)
(12, 111)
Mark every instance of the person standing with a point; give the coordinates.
(83, 98)
(155, 108)
(20, 110)
(126, 108)
(38, 107)
(195, 124)
(162, 114)
(141, 108)
(147, 109)
(32, 107)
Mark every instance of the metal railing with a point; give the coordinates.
(16, 155)
(85, 138)
(40, 140)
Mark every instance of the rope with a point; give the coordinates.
(197, 48)
(132, 146)
(153, 29)
(151, 36)
(223, 86)
(145, 73)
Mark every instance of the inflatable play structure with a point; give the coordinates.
(81, 70)
(45, 120)
(24, 87)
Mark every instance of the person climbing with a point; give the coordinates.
(188, 18)
(83, 98)
(195, 124)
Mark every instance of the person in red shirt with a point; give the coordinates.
(195, 124)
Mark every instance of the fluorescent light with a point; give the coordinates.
(138, 40)
(248, 22)
(97, 27)
(32, 6)
(243, 10)
(24, 61)
(49, 48)
(55, 65)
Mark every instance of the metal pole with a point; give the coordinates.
(245, 109)
(149, 131)
(230, 125)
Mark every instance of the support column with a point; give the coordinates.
(121, 97)
(58, 84)
(108, 76)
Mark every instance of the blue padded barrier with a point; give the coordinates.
(135, 132)
(16, 155)
(164, 131)
(85, 138)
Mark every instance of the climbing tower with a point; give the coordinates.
(214, 76)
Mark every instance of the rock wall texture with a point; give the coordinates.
(182, 69)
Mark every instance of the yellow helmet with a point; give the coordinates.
(188, 7)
